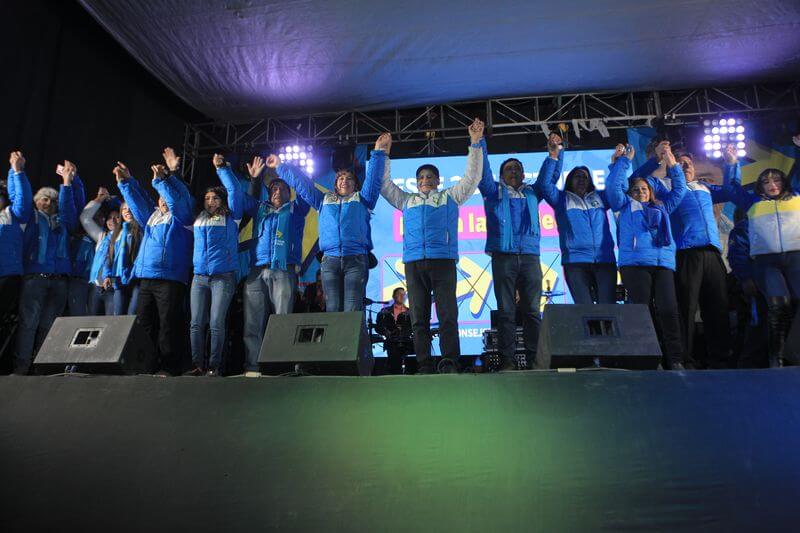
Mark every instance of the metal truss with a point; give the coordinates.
(426, 129)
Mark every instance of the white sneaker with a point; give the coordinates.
(252, 374)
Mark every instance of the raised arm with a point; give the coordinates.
(392, 193)
(464, 189)
(371, 189)
(732, 181)
(299, 181)
(19, 188)
(91, 227)
(173, 195)
(487, 186)
(66, 200)
(678, 180)
(139, 202)
(236, 197)
(551, 171)
(617, 179)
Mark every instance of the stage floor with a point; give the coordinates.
(702, 450)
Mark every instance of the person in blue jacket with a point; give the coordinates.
(587, 248)
(123, 248)
(430, 251)
(773, 212)
(81, 251)
(163, 262)
(47, 267)
(700, 274)
(512, 239)
(278, 225)
(16, 206)
(344, 227)
(216, 241)
(100, 218)
(646, 244)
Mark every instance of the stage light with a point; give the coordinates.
(717, 154)
(295, 148)
(303, 156)
(706, 122)
(708, 147)
(715, 138)
(725, 130)
(740, 137)
(708, 138)
(739, 129)
(741, 153)
(717, 146)
(740, 145)
(714, 130)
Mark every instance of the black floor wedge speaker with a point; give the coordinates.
(608, 335)
(321, 343)
(96, 345)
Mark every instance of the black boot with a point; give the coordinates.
(779, 319)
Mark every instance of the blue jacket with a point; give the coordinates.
(81, 247)
(430, 220)
(583, 229)
(774, 225)
(265, 223)
(525, 228)
(739, 251)
(693, 222)
(12, 218)
(55, 258)
(344, 227)
(166, 247)
(641, 226)
(216, 238)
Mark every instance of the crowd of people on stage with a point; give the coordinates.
(132, 255)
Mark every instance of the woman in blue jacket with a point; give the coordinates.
(344, 229)
(100, 231)
(646, 246)
(587, 248)
(773, 212)
(215, 259)
(163, 262)
(16, 206)
(47, 268)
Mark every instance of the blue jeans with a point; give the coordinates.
(210, 298)
(344, 282)
(592, 282)
(78, 297)
(41, 301)
(266, 291)
(778, 275)
(126, 299)
(512, 273)
(101, 301)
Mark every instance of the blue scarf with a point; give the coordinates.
(655, 219)
(507, 236)
(43, 223)
(281, 241)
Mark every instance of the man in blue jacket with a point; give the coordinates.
(430, 251)
(278, 226)
(700, 274)
(163, 263)
(47, 267)
(512, 239)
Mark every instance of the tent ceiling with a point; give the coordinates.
(241, 59)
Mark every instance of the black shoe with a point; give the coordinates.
(425, 369)
(447, 366)
(196, 371)
(775, 362)
(213, 373)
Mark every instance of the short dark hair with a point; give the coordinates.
(347, 171)
(432, 168)
(394, 292)
(786, 184)
(509, 160)
(4, 192)
(274, 182)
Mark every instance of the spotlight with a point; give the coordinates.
(725, 130)
(707, 138)
(740, 145)
(740, 137)
(717, 154)
(739, 129)
(715, 138)
(707, 147)
(715, 130)
(295, 148)
(741, 153)
(706, 122)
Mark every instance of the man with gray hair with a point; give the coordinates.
(46, 263)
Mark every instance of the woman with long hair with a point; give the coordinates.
(123, 247)
(646, 245)
(773, 212)
(100, 228)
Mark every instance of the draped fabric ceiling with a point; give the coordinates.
(240, 59)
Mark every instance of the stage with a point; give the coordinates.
(592, 450)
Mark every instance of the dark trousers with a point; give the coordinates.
(701, 280)
(656, 285)
(512, 273)
(591, 283)
(9, 300)
(437, 276)
(161, 312)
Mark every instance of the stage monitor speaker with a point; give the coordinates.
(321, 343)
(96, 345)
(608, 335)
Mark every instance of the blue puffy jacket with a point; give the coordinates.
(636, 235)
(12, 218)
(265, 224)
(99, 268)
(344, 227)
(55, 258)
(739, 251)
(166, 248)
(583, 229)
(693, 222)
(430, 220)
(81, 247)
(216, 238)
(525, 230)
